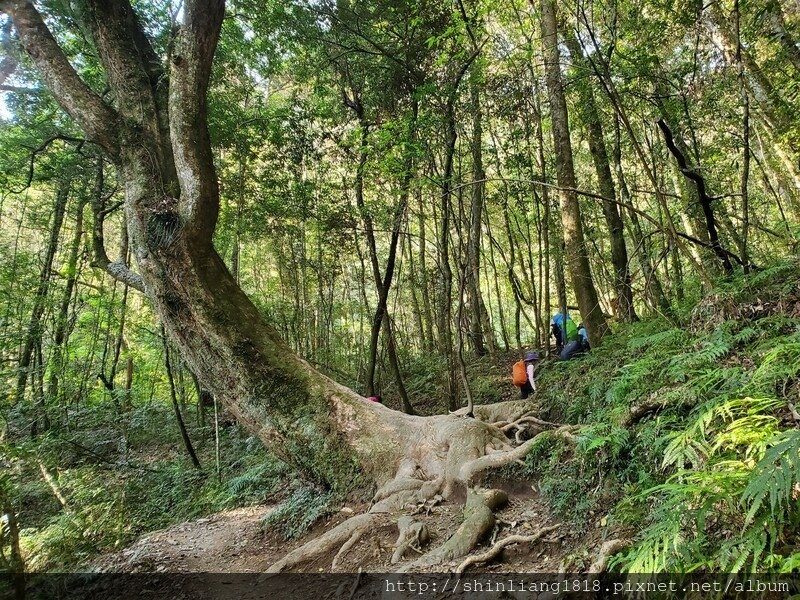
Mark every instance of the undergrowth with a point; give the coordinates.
(112, 498)
(706, 477)
(294, 516)
(709, 477)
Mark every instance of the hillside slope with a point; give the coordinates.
(691, 436)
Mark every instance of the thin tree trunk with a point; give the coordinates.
(445, 271)
(60, 335)
(423, 273)
(794, 54)
(419, 319)
(34, 332)
(462, 365)
(653, 287)
(383, 282)
(577, 258)
(479, 334)
(187, 443)
(705, 200)
(597, 147)
(496, 279)
(604, 77)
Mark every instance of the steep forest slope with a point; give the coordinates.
(283, 254)
(686, 453)
(691, 442)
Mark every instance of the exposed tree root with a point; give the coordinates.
(525, 419)
(471, 469)
(413, 535)
(443, 455)
(566, 433)
(642, 410)
(346, 534)
(607, 550)
(497, 548)
(336, 537)
(510, 410)
(347, 546)
(401, 484)
(478, 521)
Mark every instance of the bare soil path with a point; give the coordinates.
(236, 541)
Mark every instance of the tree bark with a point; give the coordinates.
(597, 147)
(577, 259)
(777, 26)
(794, 54)
(652, 284)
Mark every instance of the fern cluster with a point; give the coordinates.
(295, 515)
(712, 469)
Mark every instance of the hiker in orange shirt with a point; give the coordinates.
(523, 374)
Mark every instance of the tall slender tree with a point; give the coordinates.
(575, 245)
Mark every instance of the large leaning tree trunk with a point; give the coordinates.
(156, 135)
(157, 138)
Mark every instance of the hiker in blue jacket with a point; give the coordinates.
(577, 346)
(563, 329)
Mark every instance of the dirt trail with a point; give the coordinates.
(228, 542)
(235, 541)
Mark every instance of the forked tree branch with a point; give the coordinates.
(190, 71)
(117, 269)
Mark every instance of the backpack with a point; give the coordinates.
(572, 330)
(567, 330)
(519, 374)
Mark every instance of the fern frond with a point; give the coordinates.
(669, 338)
(775, 476)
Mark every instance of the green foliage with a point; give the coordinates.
(295, 515)
(775, 477)
(287, 149)
(108, 504)
(711, 478)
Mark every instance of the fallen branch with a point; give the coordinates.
(51, 482)
(492, 552)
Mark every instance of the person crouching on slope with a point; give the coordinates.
(523, 374)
